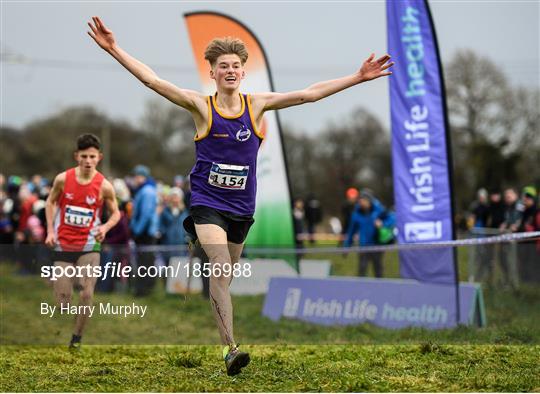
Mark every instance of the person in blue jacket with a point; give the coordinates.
(144, 224)
(368, 217)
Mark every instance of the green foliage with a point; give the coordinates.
(46, 146)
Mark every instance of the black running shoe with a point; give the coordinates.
(235, 360)
(75, 343)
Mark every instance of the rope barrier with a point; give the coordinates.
(502, 238)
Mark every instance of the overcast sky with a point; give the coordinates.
(305, 42)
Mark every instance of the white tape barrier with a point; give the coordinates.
(503, 238)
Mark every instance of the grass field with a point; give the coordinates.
(311, 368)
(173, 348)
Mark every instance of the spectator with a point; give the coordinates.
(368, 216)
(351, 199)
(298, 220)
(478, 220)
(35, 227)
(486, 260)
(171, 222)
(529, 213)
(27, 199)
(24, 253)
(36, 234)
(6, 229)
(496, 210)
(313, 215)
(143, 224)
(480, 210)
(528, 258)
(6, 204)
(11, 210)
(179, 181)
(36, 184)
(115, 246)
(14, 202)
(513, 212)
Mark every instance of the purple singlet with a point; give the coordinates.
(224, 175)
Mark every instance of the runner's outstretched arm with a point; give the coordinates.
(191, 100)
(371, 69)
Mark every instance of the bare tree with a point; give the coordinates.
(171, 128)
(353, 154)
(477, 93)
(495, 127)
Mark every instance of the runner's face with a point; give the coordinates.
(88, 159)
(228, 72)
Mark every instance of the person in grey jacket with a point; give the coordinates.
(513, 212)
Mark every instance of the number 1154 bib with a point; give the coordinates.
(228, 176)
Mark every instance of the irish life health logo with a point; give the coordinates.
(423, 231)
(292, 302)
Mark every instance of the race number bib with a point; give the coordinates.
(78, 216)
(228, 176)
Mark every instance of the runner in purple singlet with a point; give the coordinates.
(227, 140)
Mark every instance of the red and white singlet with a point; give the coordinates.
(78, 214)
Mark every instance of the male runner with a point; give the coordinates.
(227, 140)
(73, 211)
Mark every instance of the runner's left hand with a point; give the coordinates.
(372, 69)
(101, 231)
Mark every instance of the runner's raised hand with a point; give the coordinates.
(372, 69)
(101, 35)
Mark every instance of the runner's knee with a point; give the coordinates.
(222, 280)
(63, 297)
(86, 296)
(218, 254)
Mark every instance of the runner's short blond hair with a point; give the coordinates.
(225, 46)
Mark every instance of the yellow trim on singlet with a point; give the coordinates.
(209, 122)
(229, 116)
(253, 121)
